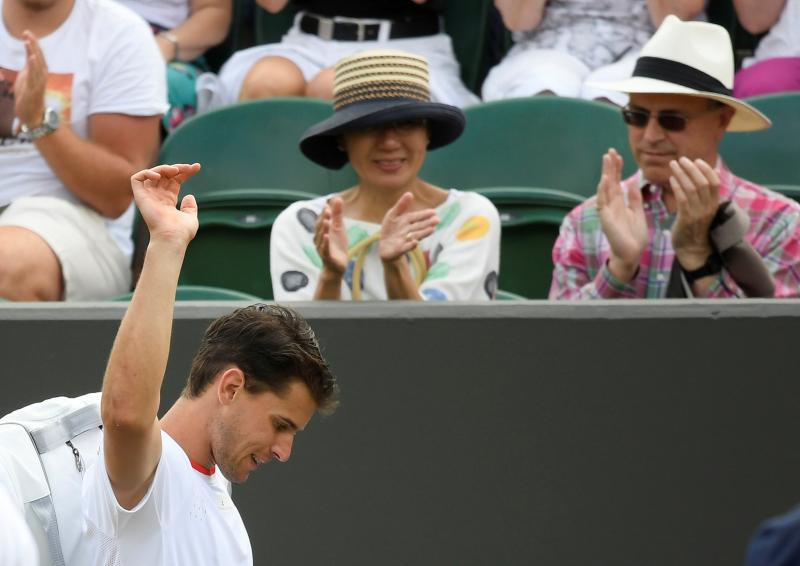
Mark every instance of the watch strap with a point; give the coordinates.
(712, 266)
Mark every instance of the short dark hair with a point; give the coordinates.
(273, 346)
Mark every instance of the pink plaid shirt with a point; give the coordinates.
(581, 251)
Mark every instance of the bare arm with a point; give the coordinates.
(132, 382)
(521, 15)
(401, 231)
(272, 6)
(684, 9)
(758, 16)
(398, 280)
(122, 143)
(206, 26)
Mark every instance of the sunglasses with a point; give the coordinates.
(668, 121)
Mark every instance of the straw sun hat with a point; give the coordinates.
(692, 58)
(378, 87)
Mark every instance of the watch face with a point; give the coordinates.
(51, 118)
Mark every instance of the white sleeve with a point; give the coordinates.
(295, 265)
(129, 76)
(465, 265)
(102, 510)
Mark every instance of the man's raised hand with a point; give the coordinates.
(622, 219)
(156, 194)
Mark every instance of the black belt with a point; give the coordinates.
(357, 30)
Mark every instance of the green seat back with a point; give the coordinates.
(202, 293)
(250, 144)
(508, 296)
(235, 40)
(530, 219)
(466, 22)
(270, 28)
(791, 191)
(769, 156)
(231, 248)
(543, 141)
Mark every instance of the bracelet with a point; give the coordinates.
(172, 38)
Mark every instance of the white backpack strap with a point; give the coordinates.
(66, 428)
(46, 514)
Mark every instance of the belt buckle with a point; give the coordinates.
(325, 28)
(361, 27)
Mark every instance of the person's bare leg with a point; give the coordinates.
(29, 269)
(321, 86)
(272, 76)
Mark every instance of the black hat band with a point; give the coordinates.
(679, 74)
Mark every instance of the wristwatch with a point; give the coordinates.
(49, 125)
(712, 266)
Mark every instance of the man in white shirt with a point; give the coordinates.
(154, 495)
(82, 89)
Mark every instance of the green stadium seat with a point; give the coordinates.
(530, 219)
(235, 40)
(508, 296)
(769, 157)
(201, 293)
(466, 22)
(270, 28)
(791, 191)
(231, 248)
(251, 144)
(543, 141)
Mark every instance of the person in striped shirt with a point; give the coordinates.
(625, 241)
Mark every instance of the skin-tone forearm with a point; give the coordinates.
(272, 6)
(398, 280)
(75, 160)
(758, 16)
(684, 9)
(329, 286)
(521, 15)
(138, 360)
(206, 26)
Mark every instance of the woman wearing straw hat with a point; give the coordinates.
(392, 235)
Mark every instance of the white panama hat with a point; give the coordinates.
(695, 59)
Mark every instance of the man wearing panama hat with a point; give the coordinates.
(668, 223)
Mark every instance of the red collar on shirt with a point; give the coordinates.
(202, 469)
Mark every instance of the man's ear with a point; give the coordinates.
(726, 116)
(230, 384)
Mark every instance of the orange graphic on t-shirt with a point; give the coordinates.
(58, 96)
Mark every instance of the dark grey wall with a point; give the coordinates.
(634, 433)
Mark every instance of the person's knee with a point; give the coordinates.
(321, 86)
(29, 269)
(272, 76)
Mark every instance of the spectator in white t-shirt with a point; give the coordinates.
(775, 66)
(81, 93)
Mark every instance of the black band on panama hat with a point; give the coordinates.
(694, 59)
(378, 87)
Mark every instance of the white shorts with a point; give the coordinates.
(312, 54)
(93, 266)
(526, 71)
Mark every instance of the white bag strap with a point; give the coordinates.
(66, 428)
(46, 514)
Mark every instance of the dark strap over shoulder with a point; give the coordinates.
(740, 260)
